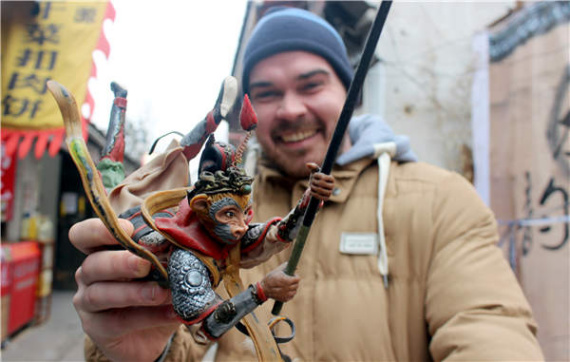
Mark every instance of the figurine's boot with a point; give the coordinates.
(193, 141)
(112, 156)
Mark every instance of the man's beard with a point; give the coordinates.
(294, 173)
(304, 172)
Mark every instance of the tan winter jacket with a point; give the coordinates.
(451, 295)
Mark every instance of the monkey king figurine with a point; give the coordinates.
(210, 222)
(195, 236)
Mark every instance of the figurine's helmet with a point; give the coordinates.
(216, 156)
(218, 172)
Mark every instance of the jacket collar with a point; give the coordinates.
(345, 178)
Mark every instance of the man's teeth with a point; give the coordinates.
(296, 137)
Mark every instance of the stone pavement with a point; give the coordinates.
(59, 339)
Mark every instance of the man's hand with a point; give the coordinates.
(280, 286)
(126, 319)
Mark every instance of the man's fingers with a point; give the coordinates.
(112, 265)
(119, 322)
(91, 235)
(106, 296)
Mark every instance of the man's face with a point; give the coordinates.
(297, 97)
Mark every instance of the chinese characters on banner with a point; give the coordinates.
(56, 41)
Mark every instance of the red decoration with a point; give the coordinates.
(8, 175)
(247, 117)
(260, 293)
(24, 268)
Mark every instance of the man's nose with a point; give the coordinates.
(292, 107)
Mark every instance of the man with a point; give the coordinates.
(401, 264)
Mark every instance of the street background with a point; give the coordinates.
(59, 339)
(480, 88)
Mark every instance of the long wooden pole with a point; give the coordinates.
(338, 135)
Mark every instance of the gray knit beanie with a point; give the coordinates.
(284, 29)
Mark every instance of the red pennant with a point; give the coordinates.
(12, 143)
(55, 143)
(110, 12)
(41, 144)
(26, 144)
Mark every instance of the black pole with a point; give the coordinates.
(338, 135)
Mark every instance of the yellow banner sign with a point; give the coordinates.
(50, 40)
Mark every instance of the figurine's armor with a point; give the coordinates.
(191, 285)
(194, 276)
(195, 301)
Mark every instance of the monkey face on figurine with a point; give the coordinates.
(221, 202)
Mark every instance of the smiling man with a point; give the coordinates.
(296, 73)
(297, 95)
(401, 262)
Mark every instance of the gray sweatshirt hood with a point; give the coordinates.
(366, 133)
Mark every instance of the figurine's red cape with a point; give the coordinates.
(189, 234)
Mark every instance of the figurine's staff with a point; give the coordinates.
(338, 135)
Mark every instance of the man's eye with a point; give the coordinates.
(311, 86)
(230, 214)
(265, 95)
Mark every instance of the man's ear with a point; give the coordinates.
(199, 203)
